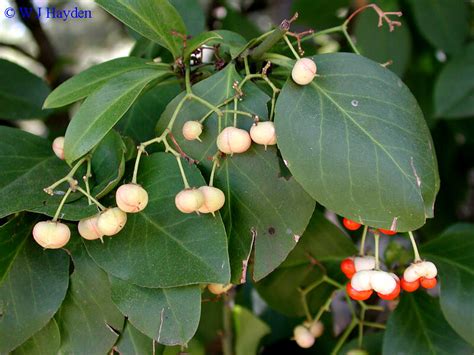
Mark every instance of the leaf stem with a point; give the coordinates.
(376, 238)
(362, 241)
(61, 204)
(213, 171)
(85, 193)
(50, 189)
(86, 180)
(415, 248)
(183, 175)
(187, 75)
(349, 39)
(291, 47)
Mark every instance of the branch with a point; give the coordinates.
(18, 49)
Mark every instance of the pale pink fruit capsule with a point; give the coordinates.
(303, 337)
(219, 289)
(233, 140)
(58, 147)
(303, 71)
(111, 221)
(361, 281)
(189, 200)
(51, 235)
(316, 329)
(88, 228)
(213, 199)
(264, 133)
(192, 130)
(131, 198)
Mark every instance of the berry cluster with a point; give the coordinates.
(306, 333)
(366, 277)
(205, 199)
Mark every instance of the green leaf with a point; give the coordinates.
(356, 140)
(27, 165)
(154, 19)
(250, 181)
(381, 45)
(320, 14)
(45, 342)
(108, 164)
(133, 342)
(21, 93)
(34, 287)
(13, 234)
(249, 331)
(444, 23)
(417, 326)
(168, 315)
(231, 42)
(140, 120)
(453, 254)
(454, 89)
(103, 109)
(198, 41)
(88, 320)
(71, 211)
(322, 241)
(88, 81)
(192, 14)
(174, 249)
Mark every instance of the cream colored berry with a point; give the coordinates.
(189, 200)
(131, 198)
(303, 71)
(382, 282)
(316, 329)
(51, 235)
(364, 263)
(213, 199)
(58, 147)
(430, 270)
(219, 289)
(111, 221)
(264, 133)
(303, 337)
(88, 228)
(192, 130)
(414, 271)
(233, 140)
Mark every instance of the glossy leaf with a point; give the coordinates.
(155, 20)
(27, 165)
(140, 120)
(417, 326)
(322, 241)
(45, 342)
(444, 23)
(133, 342)
(198, 41)
(453, 254)
(21, 93)
(381, 45)
(320, 14)
(103, 109)
(192, 14)
(108, 164)
(249, 331)
(174, 248)
(231, 42)
(356, 140)
(71, 211)
(88, 320)
(250, 181)
(454, 90)
(91, 79)
(14, 235)
(168, 315)
(33, 289)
